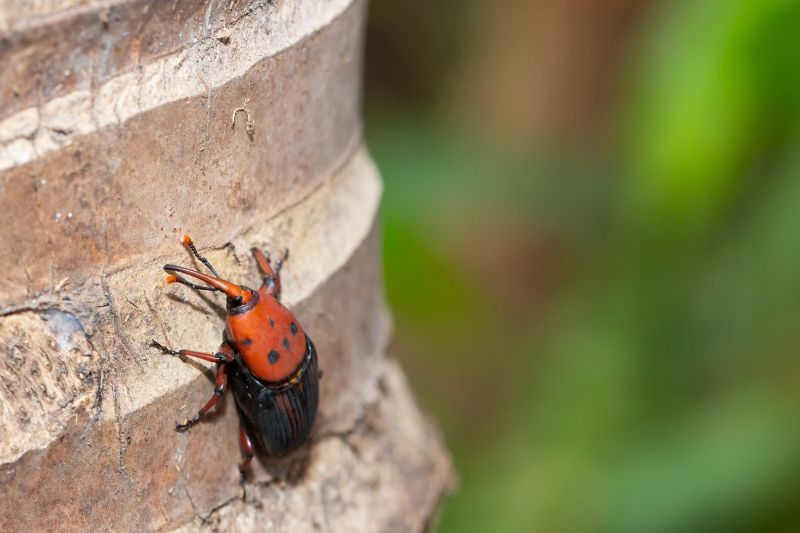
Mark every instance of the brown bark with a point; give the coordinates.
(116, 138)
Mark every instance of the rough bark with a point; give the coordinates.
(119, 131)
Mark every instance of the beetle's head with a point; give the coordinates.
(247, 296)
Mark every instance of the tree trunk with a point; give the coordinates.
(123, 125)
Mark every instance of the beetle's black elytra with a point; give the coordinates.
(281, 417)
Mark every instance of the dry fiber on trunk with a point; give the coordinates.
(123, 125)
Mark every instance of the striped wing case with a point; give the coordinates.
(280, 415)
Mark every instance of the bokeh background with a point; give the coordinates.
(592, 251)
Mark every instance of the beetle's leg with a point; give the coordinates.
(220, 384)
(224, 355)
(187, 241)
(248, 450)
(279, 263)
(272, 278)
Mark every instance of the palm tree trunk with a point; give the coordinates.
(124, 125)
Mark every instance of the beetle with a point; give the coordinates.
(266, 359)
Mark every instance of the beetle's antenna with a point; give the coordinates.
(187, 241)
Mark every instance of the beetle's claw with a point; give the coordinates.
(268, 256)
(279, 263)
(183, 426)
(242, 491)
(164, 349)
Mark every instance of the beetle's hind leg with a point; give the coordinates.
(272, 277)
(248, 451)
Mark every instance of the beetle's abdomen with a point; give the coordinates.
(279, 415)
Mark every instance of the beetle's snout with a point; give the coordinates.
(231, 290)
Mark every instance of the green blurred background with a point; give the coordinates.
(592, 250)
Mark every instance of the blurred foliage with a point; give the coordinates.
(706, 107)
(607, 336)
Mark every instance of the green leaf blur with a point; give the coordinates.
(608, 330)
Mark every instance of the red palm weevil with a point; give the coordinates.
(266, 358)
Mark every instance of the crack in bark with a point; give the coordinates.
(40, 304)
(98, 398)
(120, 425)
(191, 501)
(119, 419)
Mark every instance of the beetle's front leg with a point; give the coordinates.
(220, 385)
(224, 355)
(272, 278)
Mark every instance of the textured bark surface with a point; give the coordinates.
(116, 137)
